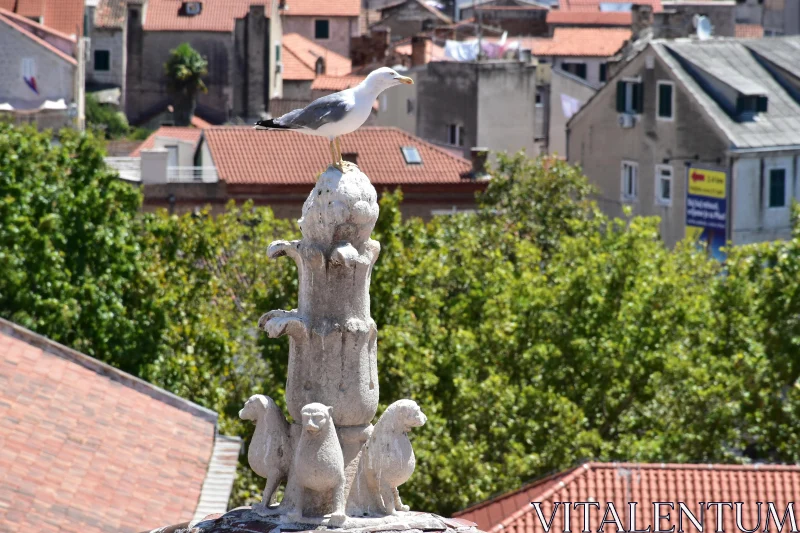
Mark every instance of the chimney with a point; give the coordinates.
(479, 155)
(641, 19)
(419, 47)
(257, 79)
(153, 165)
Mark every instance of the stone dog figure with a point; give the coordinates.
(319, 464)
(270, 452)
(387, 461)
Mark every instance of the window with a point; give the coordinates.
(777, 187)
(319, 66)
(539, 99)
(664, 184)
(577, 69)
(666, 100)
(409, 106)
(603, 72)
(630, 178)
(455, 135)
(630, 94)
(322, 29)
(277, 53)
(102, 60)
(411, 155)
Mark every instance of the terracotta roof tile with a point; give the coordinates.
(749, 31)
(335, 83)
(64, 16)
(301, 59)
(198, 122)
(247, 156)
(594, 5)
(109, 14)
(279, 106)
(582, 42)
(85, 447)
(327, 8)
(215, 15)
(172, 132)
(10, 19)
(589, 18)
(644, 483)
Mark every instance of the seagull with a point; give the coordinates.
(339, 113)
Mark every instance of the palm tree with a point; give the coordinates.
(185, 70)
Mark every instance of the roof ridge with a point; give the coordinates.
(115, 374)
(569, 477)
(42, 27)
(38, 40)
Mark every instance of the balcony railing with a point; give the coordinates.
(192, 175)
(129, 168)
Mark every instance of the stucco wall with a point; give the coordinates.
(113, 42)
(341, 30)
(599, 144)
(53, 74)
(562, 84)
(752, 219)
(506, 107)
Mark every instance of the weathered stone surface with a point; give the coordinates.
(245, 520)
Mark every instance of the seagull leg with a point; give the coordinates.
(338, 142)
(333, 153)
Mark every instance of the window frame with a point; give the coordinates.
(631, 86)
(786, 183)
(405, 150)
(623, 192)
(671, 118)
(94, 60)
(326, 20)
(455, 134)
(576, 64)
(660, 200)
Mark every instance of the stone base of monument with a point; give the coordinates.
(247, 520)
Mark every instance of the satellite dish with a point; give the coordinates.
(703, 27)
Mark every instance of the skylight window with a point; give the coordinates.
(411, 155)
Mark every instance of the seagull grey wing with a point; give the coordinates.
(331, 108)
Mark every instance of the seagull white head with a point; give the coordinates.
(381, 79)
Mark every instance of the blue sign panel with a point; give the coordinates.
(706, 212)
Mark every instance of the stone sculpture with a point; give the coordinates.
(387, 461)
(319, 466)
(344, 472)
(270, 452)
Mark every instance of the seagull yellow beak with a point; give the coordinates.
(404, 79)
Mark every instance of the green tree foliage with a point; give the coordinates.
(535, 333)
(104, 119)
(185, 69)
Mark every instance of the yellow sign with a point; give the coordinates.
(709, 183)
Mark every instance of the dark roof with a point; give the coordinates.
(86, 447)
(739, 65)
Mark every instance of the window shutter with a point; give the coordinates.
(761, 104)
(638, 97)
(620, 96)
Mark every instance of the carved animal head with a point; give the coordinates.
(316, 417)
(406, 414)
(256, 405)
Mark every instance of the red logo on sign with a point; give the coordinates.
(696, 176)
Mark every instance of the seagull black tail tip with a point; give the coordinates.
(269, 125)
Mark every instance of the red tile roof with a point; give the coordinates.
(10, 19)
(322, 8)
(215, 16)
(594, 5)
(85, 447)
(300, 59)
(589, 18)
(621, 483)
(198, 122)
(582, 42)
(109, 14)
(749, 31)
(335, 83)
(171, 132)
(65, 16)
(247, 156)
